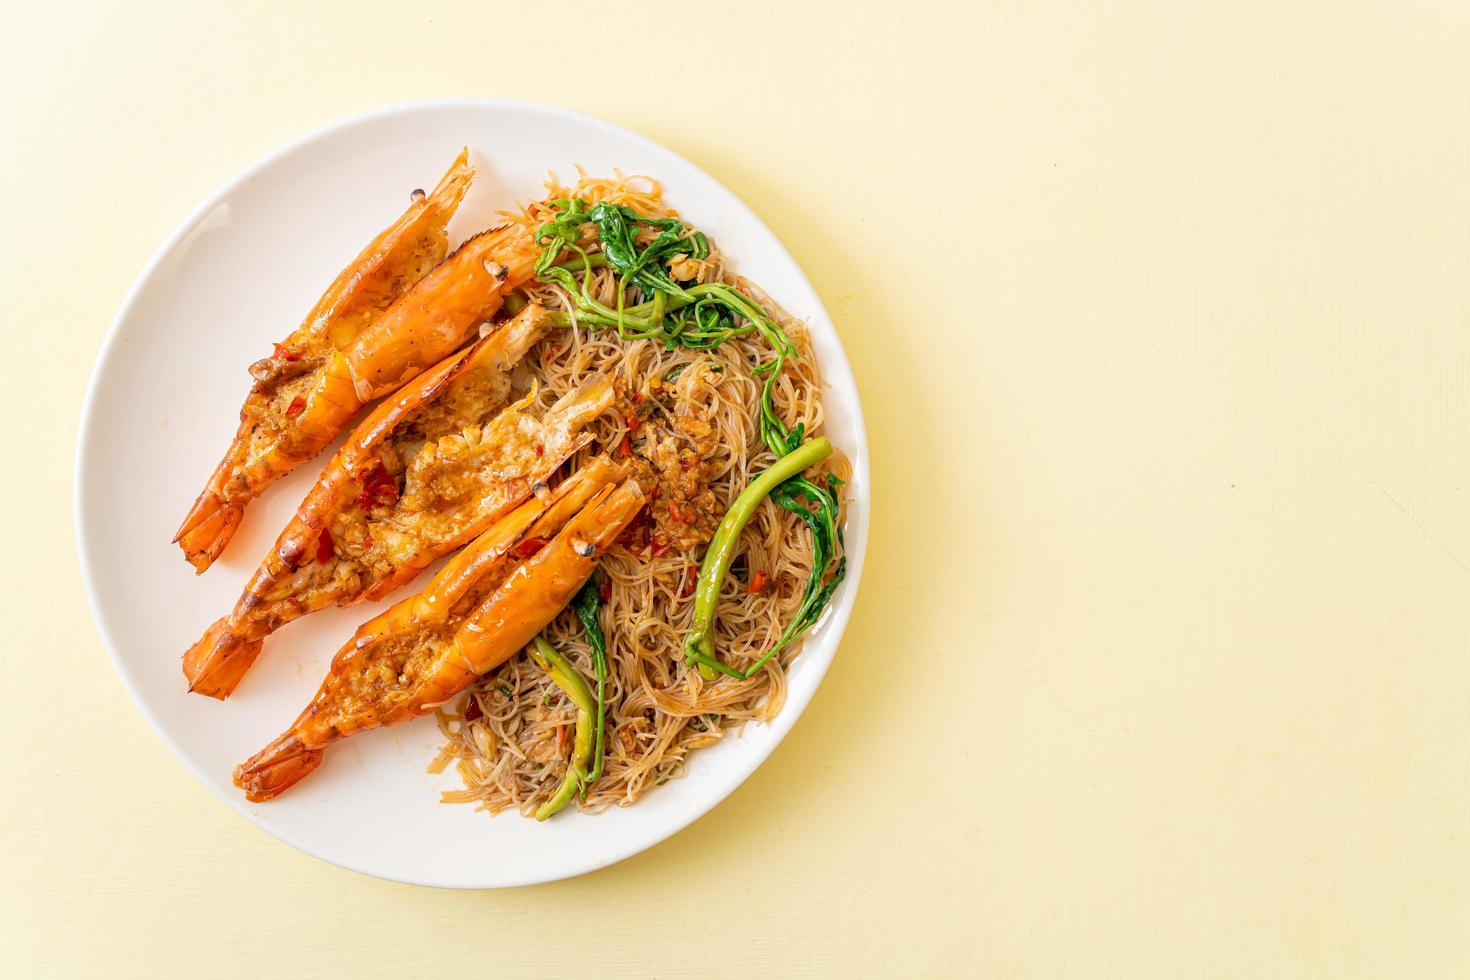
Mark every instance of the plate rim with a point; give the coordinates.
(837, 365)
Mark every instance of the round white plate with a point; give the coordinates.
(240, 273)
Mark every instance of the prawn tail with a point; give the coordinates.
(276, 768)
(207, 529)
(215, 664)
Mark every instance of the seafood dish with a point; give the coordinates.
(614, 444)
(398, 308)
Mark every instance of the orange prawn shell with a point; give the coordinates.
(519, 607)
(538, 589)
(442, 310)
(216, 663)
(337, 484)
(389, 267)
(481, 556)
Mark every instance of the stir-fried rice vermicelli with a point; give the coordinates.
(510, 738)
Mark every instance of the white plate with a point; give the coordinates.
(241, 272)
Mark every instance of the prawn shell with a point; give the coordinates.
(537, 590)
(387, 269)
(444, 309)
(517, 609)
(215, 664)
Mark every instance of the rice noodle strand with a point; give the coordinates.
(659, 711)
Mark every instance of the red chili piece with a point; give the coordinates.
(757, 584)
(635, 535)
(379, 488)
(285, 354)
(297, 406)
(604, 590)
(691, 579)
(472, 709)
(324, 547)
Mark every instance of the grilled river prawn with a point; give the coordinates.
(380, 325)
(294, 407)
(477, 612)
(431, 468)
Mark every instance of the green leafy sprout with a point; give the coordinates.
(699, 316)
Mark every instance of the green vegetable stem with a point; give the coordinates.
(565, 676)
(699, 645)
(585, 605)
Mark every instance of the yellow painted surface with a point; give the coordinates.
(1161, 316)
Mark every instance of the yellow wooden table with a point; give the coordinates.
(1161, 316)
